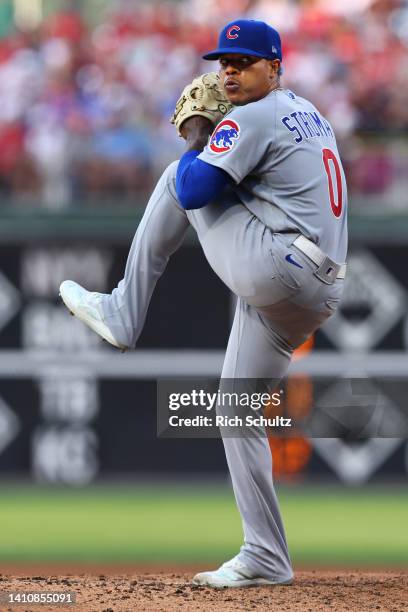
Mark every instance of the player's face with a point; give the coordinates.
(247, 78)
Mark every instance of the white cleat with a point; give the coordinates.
(234, 574)
(86, 306)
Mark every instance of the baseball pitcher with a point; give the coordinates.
(262, 184)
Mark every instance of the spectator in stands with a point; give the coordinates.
(79, 102)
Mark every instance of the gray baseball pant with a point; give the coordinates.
(279, 305)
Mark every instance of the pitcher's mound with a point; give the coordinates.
(312, 591)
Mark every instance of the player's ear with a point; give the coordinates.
(276, 66)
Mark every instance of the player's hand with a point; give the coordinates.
(196, 131)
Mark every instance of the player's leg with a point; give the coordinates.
(228, 233)
(160, 233)
(259, 350)
(119, 317)
(255, 351)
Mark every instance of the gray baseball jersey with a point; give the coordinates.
(282, 155)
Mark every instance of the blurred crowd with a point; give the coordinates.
(84, 107)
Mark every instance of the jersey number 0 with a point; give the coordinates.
(329, 156)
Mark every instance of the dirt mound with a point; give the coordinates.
(355, 591)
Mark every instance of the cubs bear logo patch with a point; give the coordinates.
(224, 136)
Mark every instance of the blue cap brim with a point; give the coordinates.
(214, 55)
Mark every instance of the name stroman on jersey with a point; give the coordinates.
(306, 125)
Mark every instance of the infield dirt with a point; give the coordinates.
(312, 591)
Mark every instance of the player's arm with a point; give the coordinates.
(198, 183)
(200, 107)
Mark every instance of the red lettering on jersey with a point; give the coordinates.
(329, 156)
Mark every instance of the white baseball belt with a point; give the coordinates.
(327, 269)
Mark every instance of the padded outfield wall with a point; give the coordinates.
(75, 411)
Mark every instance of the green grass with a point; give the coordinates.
(196, 524)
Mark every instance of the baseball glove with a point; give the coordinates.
(204, 97)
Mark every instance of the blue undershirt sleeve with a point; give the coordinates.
(198, 183)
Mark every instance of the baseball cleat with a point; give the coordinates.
(234, 574)
(87, 306)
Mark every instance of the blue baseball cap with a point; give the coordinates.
(249, 37)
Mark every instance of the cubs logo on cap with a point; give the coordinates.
(224, 136)
(232, 32)
(248, 37)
